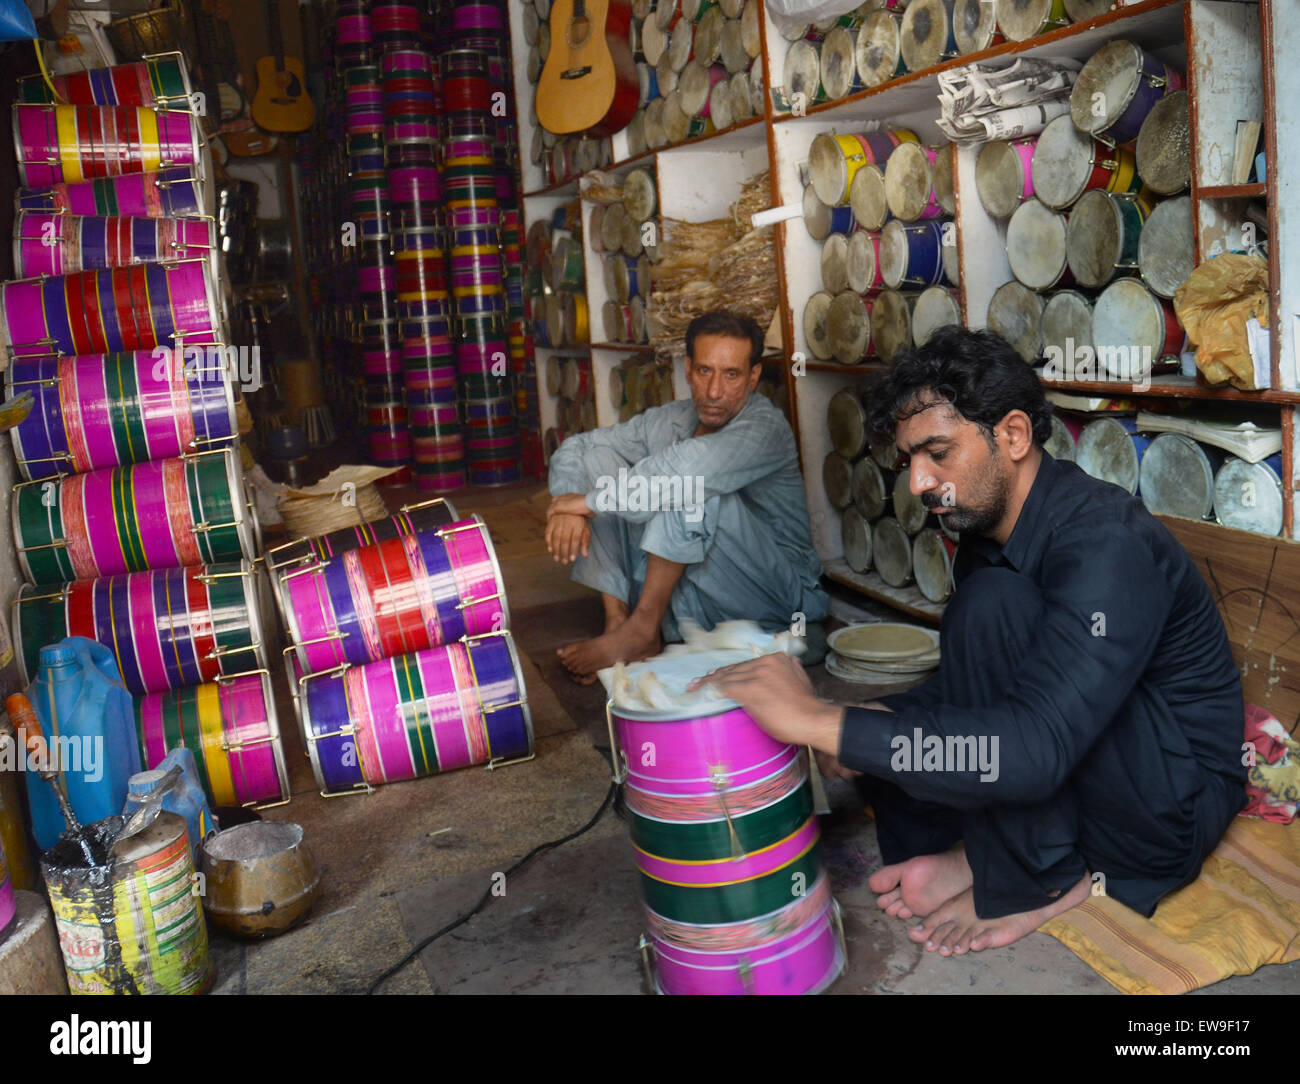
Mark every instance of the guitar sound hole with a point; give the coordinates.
(579, 31)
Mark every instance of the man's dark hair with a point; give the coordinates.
(978, 372)
(730, 324)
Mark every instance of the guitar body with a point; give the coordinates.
(249, 141)
(282, 103)
(588, 85)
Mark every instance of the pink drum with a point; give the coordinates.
(169, 193)
(1004, 175)
(48, 243)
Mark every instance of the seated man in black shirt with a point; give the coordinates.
(1084, 729)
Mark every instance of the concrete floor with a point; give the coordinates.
(403, 862)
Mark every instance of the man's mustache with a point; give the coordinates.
(932, 500)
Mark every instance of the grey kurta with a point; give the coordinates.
(729, 505)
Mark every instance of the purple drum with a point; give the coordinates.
(169, 193)
(47, 243)
(1128, 82)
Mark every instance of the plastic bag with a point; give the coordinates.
(16, 22)
(1213, 306)
(801, 12)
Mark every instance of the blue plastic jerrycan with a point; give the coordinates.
(88, 720)
(183, 796)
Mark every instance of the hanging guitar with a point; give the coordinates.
(282, 103)
(588, 85)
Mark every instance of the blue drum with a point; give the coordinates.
(911, 253)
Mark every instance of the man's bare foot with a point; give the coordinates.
(921, 885)
(631, 641)
(955, 929)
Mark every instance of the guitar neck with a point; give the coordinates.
(277, 39)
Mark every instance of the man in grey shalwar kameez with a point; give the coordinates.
(690, 511)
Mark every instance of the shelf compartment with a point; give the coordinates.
(907, 600)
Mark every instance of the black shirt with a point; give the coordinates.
(1129, 631)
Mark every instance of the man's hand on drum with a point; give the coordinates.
(568, 535)
(775, 690)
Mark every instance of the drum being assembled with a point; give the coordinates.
(727, 848)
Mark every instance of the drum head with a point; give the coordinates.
(814, 325)
(1106, 451)
(1020, 20)
(860, 263)
(878, 49)
(867, 197)
(891, 323)
(891, 550)
(1128, 329)
(935, 308)
(1248, 496)
(827, 169)
(893, 253)
(886, 455)
(1016, 313)
(1063, 160)
(908, 508)
(871, 488)
(1067, 325)
(693, 88)
(1036, 245)
(1113, 72)
(639, 195)
(803, 73)
(1176, 478)
(1165, 247)
(848, 323)
(681, 40)
(951, 262)
(932, 566)
(731, 47)
(835, 258)
(1094, 239)
(839, 70)
(856, 535)
(739, 90)
(1000, 178)
(837, 478)
(1060, 445)
(926, 26)
(909, 180)
(944, 191)
(720, 105)
(846, 418)
(1163, 146)
(708, 36)
(816, 215)
(974, 24)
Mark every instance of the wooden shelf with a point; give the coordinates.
(908, 600)
(567, 187)
(627, 348)
(1171, 387)
(861, 367)
(1233, 191)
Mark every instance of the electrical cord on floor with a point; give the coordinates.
(550, 845)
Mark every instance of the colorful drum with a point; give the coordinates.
(161, 81)
(167, 628)
(1111, 449)
(1036, 246)
(1016, 313)
(909, 182)
(169, 193)
(416, 715)
(106, 410)
(935, 308)
(848, 327)
(855, 536)
(1128, 82)
(862, 263)
(122, 308)
(821, 220)
(1068, 162)
(891, 323)
(231, 727)
(928, 33)
(879, 50)
(1165, 250)
(1004, 175)
(975, 26)
(1020, 20)
(1164, 146)
(165, 514)
(1248, 496)
(1133, 330)
(58, 143)
(727, 847)
(1101, 239)
(404, 594)
(911, 253)
(52, 243)
(834, 160)
(1176, 477)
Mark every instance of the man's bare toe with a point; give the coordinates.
(885, 880)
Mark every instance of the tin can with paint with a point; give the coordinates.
(134, 923)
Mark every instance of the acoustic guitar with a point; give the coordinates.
(588, 85)
(282, 103)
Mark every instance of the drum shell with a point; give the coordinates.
(815, 329)
(1163, 150)
(1102, 237)
(872, 488)
(935, 308)
(1068, 162)
(1133, 330)
(891, 323)
(846, 422)
(911, 254)
(1061, 444)
(1020, 20)
(848, 327)
(1004, 175)
(837, 480)
(1130, 81)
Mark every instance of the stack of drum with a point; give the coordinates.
(884, 526)
(626, 233)
(133, 526)
(401, 662)
(1098, 234)
(881, 204)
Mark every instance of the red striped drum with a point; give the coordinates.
(1068, 162)
(47, 243)
(1165, 249)
(1016, 313)
(862, 263)
(1036, 246)
(1176, 477)
(1248, 496)
(872, 488)
(1133, 330)
(855, 535)
(158, 81)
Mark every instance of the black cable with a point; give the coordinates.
(550, 845)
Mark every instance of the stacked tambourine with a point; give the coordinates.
(883, 653)
(401, 661)
(624, 230)
(881, 204)
(133, 525)
(1098, 236)
(884, 526)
